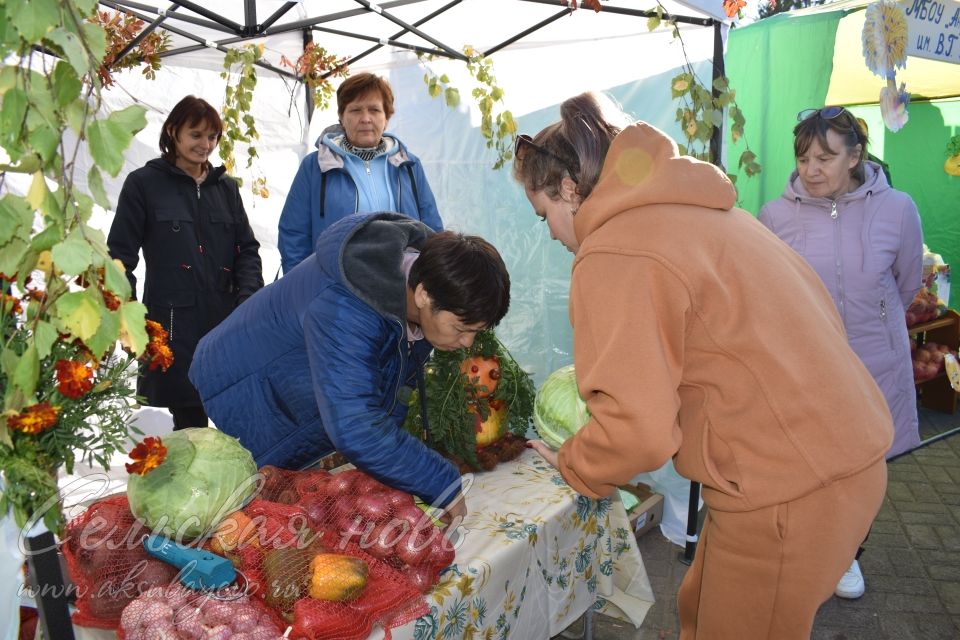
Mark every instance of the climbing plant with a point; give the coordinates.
(316, 66)
(120, 30)
(497, 125)
(240, 72)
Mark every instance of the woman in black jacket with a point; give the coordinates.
(201, 256)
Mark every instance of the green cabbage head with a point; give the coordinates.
(206, 476)
(558, 410)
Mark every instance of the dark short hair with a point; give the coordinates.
(844, 124)
(189, 112)
(464, 275)
(361, 84)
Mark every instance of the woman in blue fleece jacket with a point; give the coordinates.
(319, 360)
(357, 168)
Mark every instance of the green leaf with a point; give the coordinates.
(72, 48)
(452, 96)
(78, 313)
(76, 114)
(49, 236)
(110, 137)
(99, 192)
(115, 279)
(35, 18)
(106, 337)
(85, 7)
(133, 326)
(16, 218)
(96, 39)
(66, 83)
(73, 255)
(44, 141)
(44, 336)
(12, 254)
(13, 111)
(653, 22)
(26, 371)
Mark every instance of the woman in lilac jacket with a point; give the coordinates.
(864, 240)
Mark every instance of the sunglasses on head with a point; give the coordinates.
(827, 113)
(524, 141)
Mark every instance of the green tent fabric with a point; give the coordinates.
(783, 64)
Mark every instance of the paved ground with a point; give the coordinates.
(911, 563)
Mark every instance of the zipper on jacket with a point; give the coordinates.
(366, 165)
(170, 327)
(837, 264)
(883, 324)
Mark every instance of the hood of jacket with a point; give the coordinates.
(874, 183)
(330, 155)
(644, 167)
(214, 173)
(364, 253)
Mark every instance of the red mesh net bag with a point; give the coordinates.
(335, 554)
(107, 562)
(177, 613)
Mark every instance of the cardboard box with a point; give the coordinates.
(648, 513)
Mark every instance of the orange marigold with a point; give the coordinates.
(112, 301)
(7, 299)
(159, 356)
(74, 379)
(732, 7)
(156, 331)
(147, 456)
(35, 418)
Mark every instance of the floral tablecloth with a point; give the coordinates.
(535, 556)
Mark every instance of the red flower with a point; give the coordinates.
(159, 356)
(35, 418)
(147, 456)
(156, 331)
(112, 301)
(74, 379)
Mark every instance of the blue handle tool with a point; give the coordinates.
(200, 570)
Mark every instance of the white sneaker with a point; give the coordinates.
(851, 584)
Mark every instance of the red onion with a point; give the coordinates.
(422, 578)
(414, 548)
(374, 507)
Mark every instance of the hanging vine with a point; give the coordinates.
(121, 29)
(238, 123)
(497, 125)
(316, 67)
(701, 108)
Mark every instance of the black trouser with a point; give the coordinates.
(184, 417)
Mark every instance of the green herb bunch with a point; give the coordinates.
(451, 394)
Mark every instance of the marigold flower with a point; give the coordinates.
(7, 299)
(35, 418)
(156, 331)
(74, 379)
(147, 456)
(112, 301)
(159, 355)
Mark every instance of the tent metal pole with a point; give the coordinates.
(210, 15)
(398, 34)
(309, 22)
(150, 28)
(451, 53)
(719, 71)
(526, 32)
(127, 7)
(307, 94)
(644, 13)
(392, 43)
(279, 13)
(250, 17)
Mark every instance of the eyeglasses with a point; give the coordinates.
(827, 113)
(523, 141)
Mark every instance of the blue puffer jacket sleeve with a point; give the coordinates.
(295, 239)
(356, 359)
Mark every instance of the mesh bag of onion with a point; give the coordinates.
(107, 562)
(335, 553)
(175, 612)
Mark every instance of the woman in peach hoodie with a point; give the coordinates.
(701, 336)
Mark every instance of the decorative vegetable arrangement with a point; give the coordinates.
(204, 476)
(558, 410)
(479, 404)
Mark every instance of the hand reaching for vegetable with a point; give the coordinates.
(455, 512)
(548, 454)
